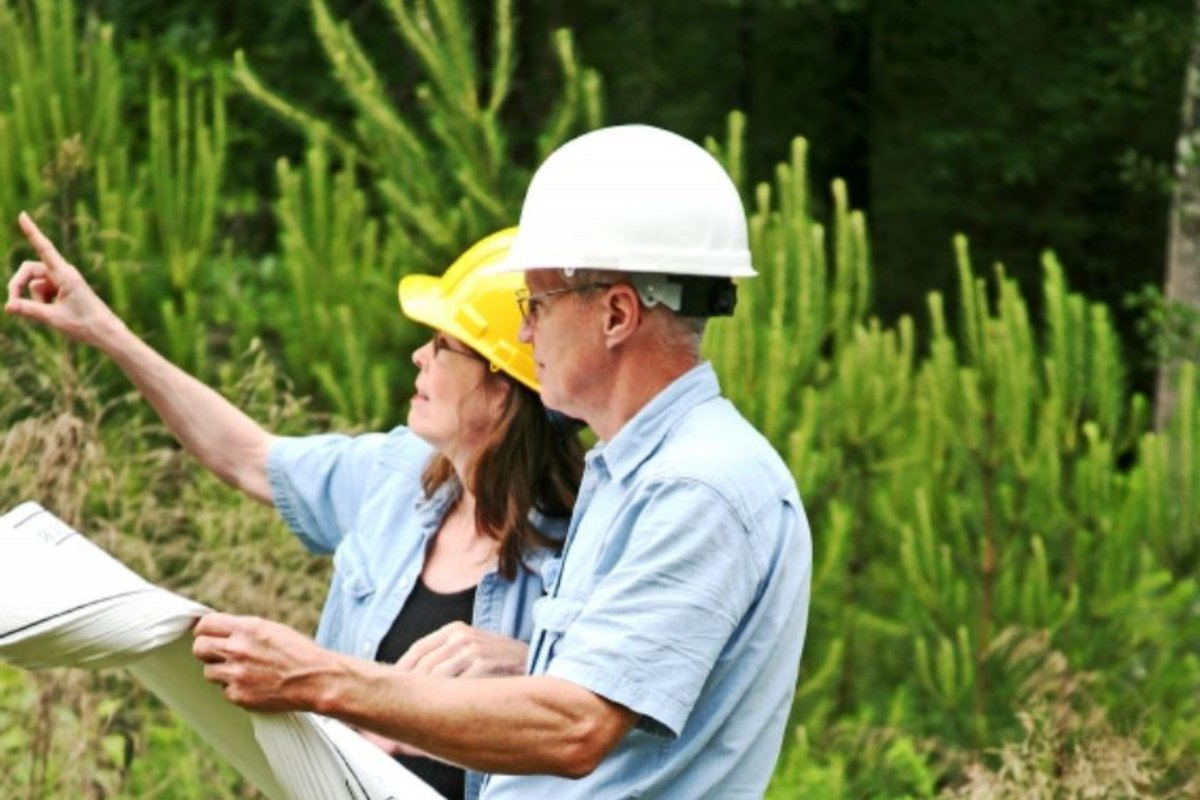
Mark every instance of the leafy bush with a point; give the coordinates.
(999, 485)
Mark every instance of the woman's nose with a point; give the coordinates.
(420, 356)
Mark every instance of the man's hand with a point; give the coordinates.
(52, 292)
(391, 746)
(459, 650)
(262, 665)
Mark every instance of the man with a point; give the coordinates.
(665, 654)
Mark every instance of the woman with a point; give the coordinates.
(432, 526)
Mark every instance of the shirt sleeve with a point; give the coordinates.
(652, 629)
(318, 484)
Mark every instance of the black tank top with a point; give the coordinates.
(424, 612)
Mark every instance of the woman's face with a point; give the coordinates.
(456, 402)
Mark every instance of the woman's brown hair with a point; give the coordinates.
(528, 461)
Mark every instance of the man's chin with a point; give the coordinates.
(551, 399)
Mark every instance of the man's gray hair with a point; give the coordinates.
(681, 332)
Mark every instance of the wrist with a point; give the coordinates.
(332, 690)
(110, 335)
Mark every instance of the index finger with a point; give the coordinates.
(215, 624)
(421, 648)
(44, 247)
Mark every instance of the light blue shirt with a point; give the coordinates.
(361, 499)
(682, 594)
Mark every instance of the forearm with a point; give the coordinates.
(509, 725)
(217, 433)
(522, 725)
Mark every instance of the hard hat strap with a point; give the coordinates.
(687, 295)
(655, 289)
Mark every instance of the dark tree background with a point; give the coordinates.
(1026, 124)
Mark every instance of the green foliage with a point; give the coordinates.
(962, 498)
(149, 226)
(333, 254)
(77, 734)
(399, 190)
(1005, 554)
(861, 762)
(1027, 124)
(1172, 330)
(62, 106)
(81, 735)
(136, 195)
(144, 222)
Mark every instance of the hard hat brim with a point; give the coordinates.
(648, 266)
(439, 303)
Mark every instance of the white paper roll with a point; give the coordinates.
(66, 603)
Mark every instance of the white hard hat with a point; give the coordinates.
(633, 198)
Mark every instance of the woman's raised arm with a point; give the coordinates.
(226, 441)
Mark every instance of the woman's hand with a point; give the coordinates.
(456, 650)
(220, 435)
(53, 292)
(459, 650)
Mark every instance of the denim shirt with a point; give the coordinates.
(682, 594)
(360, 498)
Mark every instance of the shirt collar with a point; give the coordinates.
(641, 435)
(432, 510)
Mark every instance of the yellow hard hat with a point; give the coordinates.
(478, 309)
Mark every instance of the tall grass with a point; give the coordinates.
(111, 471)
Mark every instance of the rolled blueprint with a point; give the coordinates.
(66, 603)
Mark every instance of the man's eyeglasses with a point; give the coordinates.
(531, 305)
(441, 344)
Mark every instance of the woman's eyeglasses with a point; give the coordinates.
(441, 344)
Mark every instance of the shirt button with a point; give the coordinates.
(366, 648)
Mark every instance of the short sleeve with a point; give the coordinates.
(649, 633)
(318, 484)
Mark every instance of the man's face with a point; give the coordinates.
(564, 328)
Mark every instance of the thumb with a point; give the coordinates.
(32, 310)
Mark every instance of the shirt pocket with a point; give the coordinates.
(553, 616)
(352, 573)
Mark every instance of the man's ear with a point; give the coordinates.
(622, 313)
